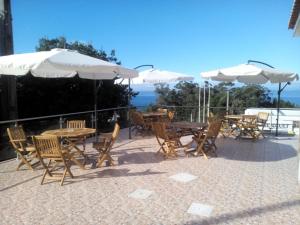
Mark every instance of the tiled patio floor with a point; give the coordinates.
(248, 183)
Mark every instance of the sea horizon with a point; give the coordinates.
(145, 98)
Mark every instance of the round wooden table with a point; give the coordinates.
(154, 116)
(67, 134)
(187, 128)
(70, 132)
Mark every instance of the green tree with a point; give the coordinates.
(40, 97)
(183, 94)
(186, 94)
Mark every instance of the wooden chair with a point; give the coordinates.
(248, 126)
(168, 140)
(262, 118)
(205, 139)
(77, 124)
(140, 125)
(105, 144)
(26, 152)
(48, 147)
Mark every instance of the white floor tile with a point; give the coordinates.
(200, 209)
(140, 194)
(183, 177)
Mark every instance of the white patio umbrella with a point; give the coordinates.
(250, 74)
(253, 74)
(62, 63)
(157, 76)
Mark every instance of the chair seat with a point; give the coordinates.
(30, 149)
(27, 149)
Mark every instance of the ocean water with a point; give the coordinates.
(144, 98)
(288, 95)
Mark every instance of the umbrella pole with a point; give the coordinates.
(227, 102)
(199, 104)
(95, 104)
(208, 101)
(203, 103)
(278, 105)
(129, 122)
(280, 89)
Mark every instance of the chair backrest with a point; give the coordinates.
(159, 129)
(214, 128)
(47, 146)
(249, 119)
(76, 124)
(262, 116)
(113, 138)
(137, 118)
(211, 119)
(116, 132)
(17, 137)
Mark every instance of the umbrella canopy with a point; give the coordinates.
(250, 74)
(253, 74)
(157, 76)
(62, 63)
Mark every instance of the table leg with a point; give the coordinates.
(73, 145)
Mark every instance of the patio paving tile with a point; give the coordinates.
(183, 177)
(200, 209)
(140, 194)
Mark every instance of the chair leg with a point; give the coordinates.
(46, 171)
(63, 176)
(68, 168)
(110, 159)
(159, 149)
(101, 160)
(170, 150)
(76, 161)
(83, 144)
(24, 161)
(200, 149)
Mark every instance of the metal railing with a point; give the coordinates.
(37, 125)
(105, 120)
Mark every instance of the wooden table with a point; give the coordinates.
(70, 132)
(154, 116)
(187, 128)
(67, 133)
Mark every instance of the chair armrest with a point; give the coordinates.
(18, 140)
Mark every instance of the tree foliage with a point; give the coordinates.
(187, 94)
(40, 96)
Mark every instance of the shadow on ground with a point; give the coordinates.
(243, 214)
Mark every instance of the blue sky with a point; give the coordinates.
(188, 36)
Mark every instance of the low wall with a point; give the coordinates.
(287, 118)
